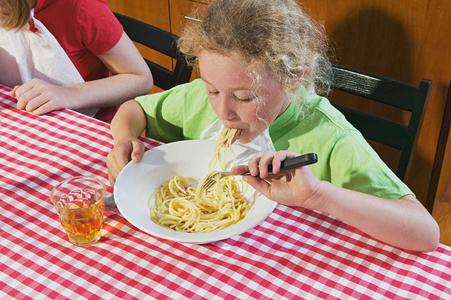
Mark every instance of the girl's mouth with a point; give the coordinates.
(237, 135)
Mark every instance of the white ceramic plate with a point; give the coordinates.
(137, 181)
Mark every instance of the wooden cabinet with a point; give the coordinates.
(169, 15)
(154, 12)
(183, 13)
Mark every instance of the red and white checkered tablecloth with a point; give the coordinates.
(294, 253)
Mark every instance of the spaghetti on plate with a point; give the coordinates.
(182, 207)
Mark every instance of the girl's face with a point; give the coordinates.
(233, 98)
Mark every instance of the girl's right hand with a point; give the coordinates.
(40, 97)
(296, 187)
(122, 152)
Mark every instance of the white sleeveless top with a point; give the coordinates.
(33, 52)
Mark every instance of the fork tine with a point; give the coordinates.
(212, 181)
(208, 184)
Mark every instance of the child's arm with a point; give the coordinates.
(403, 223)
(131, 77)
(126, 127)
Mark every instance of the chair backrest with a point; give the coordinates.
(390, 92)
(163, 42)
(440, 153)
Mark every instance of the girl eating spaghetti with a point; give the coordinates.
(259, 63)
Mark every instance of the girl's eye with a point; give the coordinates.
(244, 99)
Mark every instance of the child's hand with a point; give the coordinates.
(40, 97)
(121, 154)
(295, 187)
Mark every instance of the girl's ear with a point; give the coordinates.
(303, 72)
(301, 75)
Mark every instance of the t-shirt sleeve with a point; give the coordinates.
(358, 167)
(181, 113)
(100, 30)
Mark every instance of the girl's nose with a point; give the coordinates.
(226, 110)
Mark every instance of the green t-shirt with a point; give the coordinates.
(344, 157)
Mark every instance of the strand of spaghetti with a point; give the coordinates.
(224, 143)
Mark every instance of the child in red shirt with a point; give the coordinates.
(97, 46)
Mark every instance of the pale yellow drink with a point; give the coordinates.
(80, 203)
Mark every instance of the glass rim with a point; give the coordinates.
(97, 179)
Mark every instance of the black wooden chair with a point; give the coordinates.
(390, 92)
(163, 42)
(440, 153)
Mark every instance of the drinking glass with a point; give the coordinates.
(80, 204)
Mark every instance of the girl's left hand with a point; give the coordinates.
(296, 187)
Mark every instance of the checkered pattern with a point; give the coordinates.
(294, 253)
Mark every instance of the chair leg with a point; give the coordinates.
(439, 154)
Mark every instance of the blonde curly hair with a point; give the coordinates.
(275, 36)
(16, 13)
